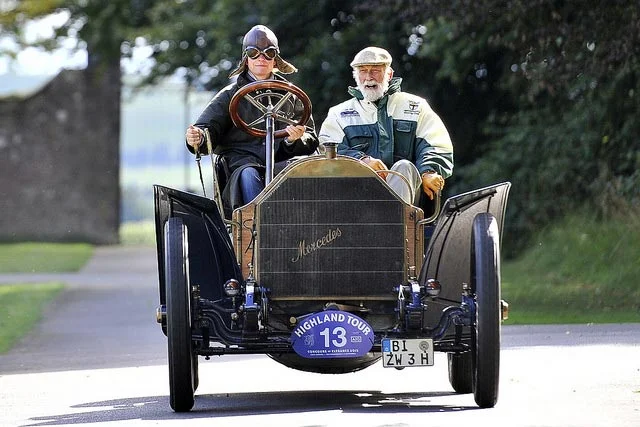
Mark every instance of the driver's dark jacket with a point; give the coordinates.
(239, 149)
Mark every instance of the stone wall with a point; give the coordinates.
(59, 161)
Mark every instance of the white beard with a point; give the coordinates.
(372, 94)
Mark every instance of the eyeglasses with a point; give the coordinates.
(254, 52)
(374, 70)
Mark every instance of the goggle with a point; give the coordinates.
(269, 52)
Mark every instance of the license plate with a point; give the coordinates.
(405, 353)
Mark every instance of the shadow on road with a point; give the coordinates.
(264, 403)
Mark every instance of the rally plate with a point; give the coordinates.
(332, 334)
(406, 353)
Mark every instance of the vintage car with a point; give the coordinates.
(328, 271)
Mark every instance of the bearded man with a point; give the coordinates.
(388, 129)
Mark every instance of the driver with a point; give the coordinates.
(243, 155)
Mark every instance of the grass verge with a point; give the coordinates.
(579, 271)
(138, 233)
(21, 307)
(43, 257)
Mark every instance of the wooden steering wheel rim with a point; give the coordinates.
(267, 84)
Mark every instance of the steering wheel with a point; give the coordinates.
(272, 98)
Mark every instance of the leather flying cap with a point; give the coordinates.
(371, 56)
(262, 37)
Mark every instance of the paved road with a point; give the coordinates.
(98, 358)
(104, 318)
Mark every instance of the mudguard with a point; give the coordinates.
(212, 260)
(448, 254)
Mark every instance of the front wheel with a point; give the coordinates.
(194, 368)
(485, 333)
(182, 382)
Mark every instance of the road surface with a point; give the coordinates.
(98, 358)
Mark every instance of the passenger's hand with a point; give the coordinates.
(376, 165)
(432, 182)
(295, 132)
(194, 136)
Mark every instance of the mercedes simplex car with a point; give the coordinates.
(327, 270)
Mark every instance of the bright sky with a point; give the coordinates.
(32, 61)
(37, 61)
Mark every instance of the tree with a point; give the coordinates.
(99, 27)
(543, 93)
(202, 41)
(553, 87)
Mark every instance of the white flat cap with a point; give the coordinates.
(371, 56)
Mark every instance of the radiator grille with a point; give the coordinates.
(331, 237)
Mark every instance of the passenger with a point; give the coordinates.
(244, 154)
(390, 130)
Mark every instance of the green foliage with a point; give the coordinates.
(541, 93)
(43, 257)
(564, 154)
(202, 41)
(21, 307)
(100, 27)
(553, 90)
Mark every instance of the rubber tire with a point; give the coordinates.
(194, 365)
(485, 332)
(180, 345)
(460, 372)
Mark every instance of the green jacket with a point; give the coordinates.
(397, 126)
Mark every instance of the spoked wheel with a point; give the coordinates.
(286, 102)
(182, 375)
(485, 330)
(461, 372)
